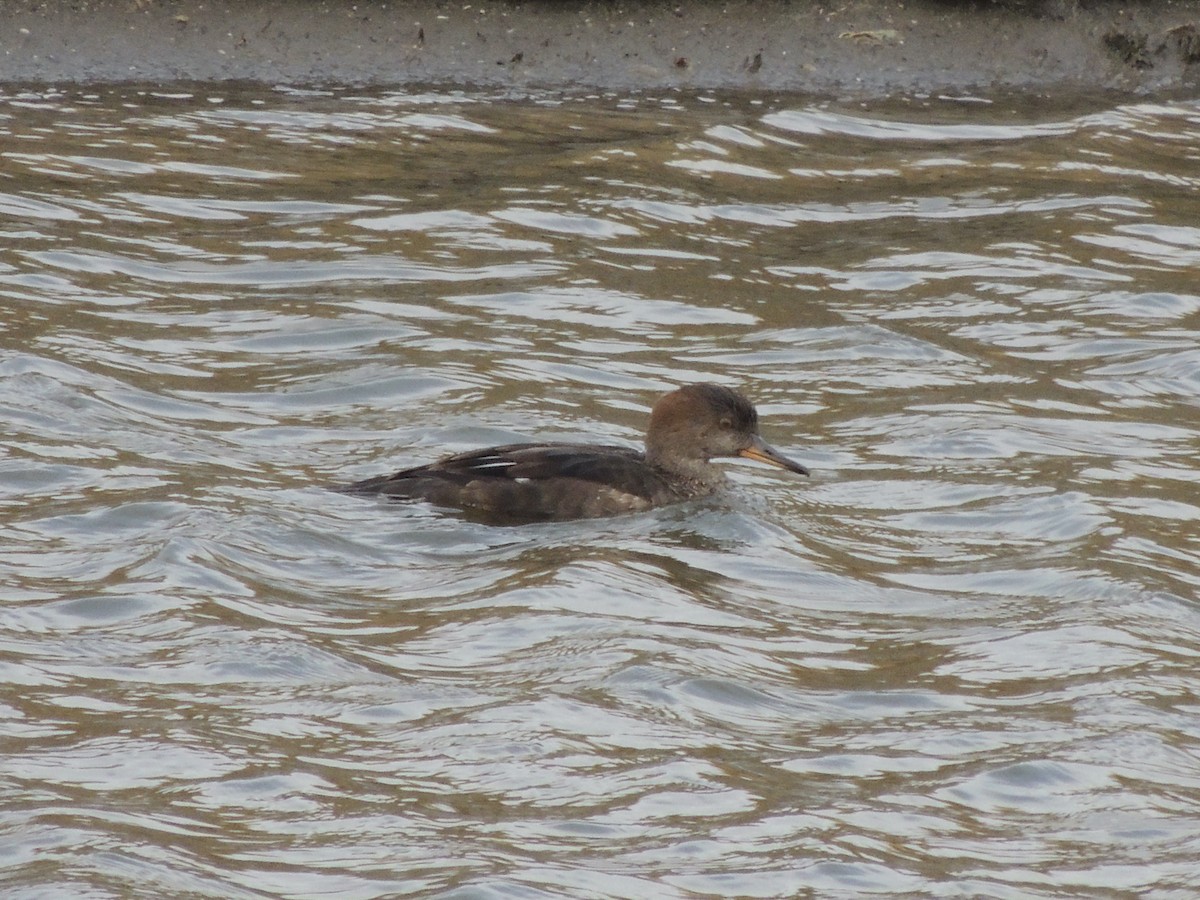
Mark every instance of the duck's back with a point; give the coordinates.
(533, 482)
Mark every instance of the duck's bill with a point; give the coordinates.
(763, 452)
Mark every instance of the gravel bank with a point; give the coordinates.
(868, 47)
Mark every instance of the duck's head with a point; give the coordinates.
(699, 422)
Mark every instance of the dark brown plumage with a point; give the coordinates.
(556, 481)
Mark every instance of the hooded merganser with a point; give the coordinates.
(556, 481)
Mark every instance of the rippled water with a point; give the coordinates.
(959, 661)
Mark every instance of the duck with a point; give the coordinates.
(560, 481)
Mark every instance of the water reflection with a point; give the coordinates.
(961, 659)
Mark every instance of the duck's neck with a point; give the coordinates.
(695, 476)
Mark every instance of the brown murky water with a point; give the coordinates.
(962, 660)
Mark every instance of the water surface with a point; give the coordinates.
(961, 660)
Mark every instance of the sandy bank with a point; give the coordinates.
(858, 46)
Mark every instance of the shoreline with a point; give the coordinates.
(859, 47)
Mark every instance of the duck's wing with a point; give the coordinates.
(531, 482)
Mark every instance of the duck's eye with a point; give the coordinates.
(726, 423)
